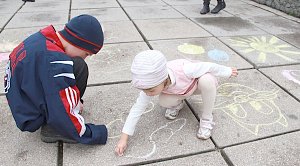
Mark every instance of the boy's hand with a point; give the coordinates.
(81, 107)
(234, 72)
(122, 145)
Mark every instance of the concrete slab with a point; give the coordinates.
(103, 14)
(170, 28)
(120, 31)
(4, 56)
(228, 26)
(150, 12)
(273, 10)
(211, 159)
(155, 136)
(264, 50)
(193, 11)
(42, 6)
(281, 150)
(4, 19)
(113, 62)
(203, 49)
(7, 7)
(10, 38)
(276, 25)
(250, 107)
(141, 2)
(22, 148)
(182, 2)
(22, 20)
(293, 38)
(246, 11)
(286, 76)
(92, 4)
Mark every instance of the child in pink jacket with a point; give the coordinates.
(173, 81)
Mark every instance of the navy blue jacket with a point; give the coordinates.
(41, 89)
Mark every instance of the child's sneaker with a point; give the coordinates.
(171, 113)
(205, 128)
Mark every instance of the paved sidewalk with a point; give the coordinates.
(257, 114)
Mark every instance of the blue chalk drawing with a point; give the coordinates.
(218, 55)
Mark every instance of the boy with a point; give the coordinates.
(46, 77)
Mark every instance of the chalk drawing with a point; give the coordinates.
(292, 75)
(265, 46)
(249, 108)
(190, 49)
(218, 55)
(114, 126)
(167, 130)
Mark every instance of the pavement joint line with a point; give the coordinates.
(226, 158)
(125, 42)
(170, 158)
(201, 27)
(281, 14)
(198, 119)
(33, 26)
(179, 38)
(215, 143)
(279, 65)
(246, 59)
(137, 28)
(98, 84)
(258, 139)
(281, 38)
(109, 83)
(12, 17)
(281, 87)
(60, 153)
(192, 109)
(70, 10)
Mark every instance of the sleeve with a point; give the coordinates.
(62, 98)
(196, 70)
(135, 113)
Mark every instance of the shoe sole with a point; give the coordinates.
(48, 135)
(202, 138)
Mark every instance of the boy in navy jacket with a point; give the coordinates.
(46, 77)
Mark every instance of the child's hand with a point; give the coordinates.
(81, 107)
(234, 72)
(122, 145)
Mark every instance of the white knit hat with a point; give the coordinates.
(149, 69)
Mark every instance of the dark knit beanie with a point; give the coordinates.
(84, 32)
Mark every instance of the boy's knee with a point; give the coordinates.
(81, 73)
(80, 66)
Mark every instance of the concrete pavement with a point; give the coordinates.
(257, 114)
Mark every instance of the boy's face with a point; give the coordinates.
(73, 51)
(155, 90)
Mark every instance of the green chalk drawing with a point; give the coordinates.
(266, 47)
(249, 108)
(190, 49)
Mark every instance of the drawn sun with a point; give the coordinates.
(265, 46)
